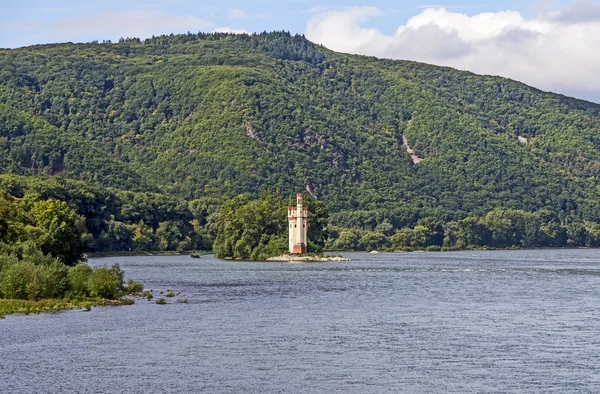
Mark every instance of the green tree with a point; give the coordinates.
(106, 282)
(451, 234)
(372, 240)
(142, 236)
(403, 239)
(347, 240)
(63, 233)
(79, 277)
(472, 232)
(16, 280)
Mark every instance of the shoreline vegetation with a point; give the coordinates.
(97, 255)
(26, 307)
(42, 260)
(245, 228)
(242, 227)
(39, 284)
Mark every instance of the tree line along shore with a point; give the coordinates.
(48, 224)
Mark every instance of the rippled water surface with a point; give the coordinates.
(462, 322)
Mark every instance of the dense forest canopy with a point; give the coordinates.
(157, 134)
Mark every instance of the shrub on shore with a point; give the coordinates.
(39, 276)
(106, 282)
(79, 276)
(134, 287)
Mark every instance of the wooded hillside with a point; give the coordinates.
(211, 116)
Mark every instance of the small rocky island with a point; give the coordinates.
(258, 230)
(307, 258)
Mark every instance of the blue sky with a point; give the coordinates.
(550, 44)
(34, 22)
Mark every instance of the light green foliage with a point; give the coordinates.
(134, 287)
(24, 279)
(30, 226)
(403, 239)
(54, 280)
(18, 280)
(115, 220)
(62, 230)
(347, 239)
(79, 277)
(168, 235)
(106, 282)
(7, 260)
(385, 227)
(142, 236)
(372, 240)
(37, 276)
(39, 239)
(499, 229)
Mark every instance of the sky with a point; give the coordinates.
(553, 45)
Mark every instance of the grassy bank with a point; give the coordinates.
(26, 307)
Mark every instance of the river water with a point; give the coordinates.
(459, 322)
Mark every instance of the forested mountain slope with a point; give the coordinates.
(217, 115)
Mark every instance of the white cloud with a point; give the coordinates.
(340, 30)
(230, 30)
(556, 51)
(583, 11)
(236, 13)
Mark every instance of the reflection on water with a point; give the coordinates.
(515, 321)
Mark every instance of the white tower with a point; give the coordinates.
(297, 218)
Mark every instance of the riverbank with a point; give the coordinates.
(285, 258)
(9, 307)
(142, 253)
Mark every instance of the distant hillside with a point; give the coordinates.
(216, 115)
